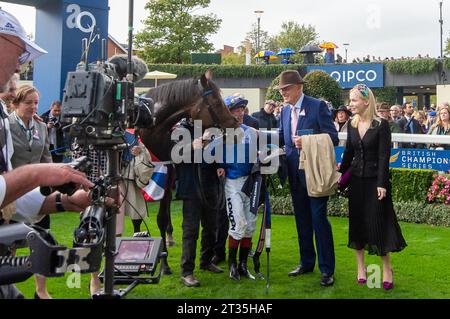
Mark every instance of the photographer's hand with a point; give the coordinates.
(60, 174)
(79, 201)
(25, 178)
(37, 118)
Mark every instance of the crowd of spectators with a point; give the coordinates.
(368, 58)
(409, 120)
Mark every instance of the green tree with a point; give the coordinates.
(387, 94)
(322, 86)
(294, 36)
(233, 58)
(252, 37)
(172, 31)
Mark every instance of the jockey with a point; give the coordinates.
(237, 168)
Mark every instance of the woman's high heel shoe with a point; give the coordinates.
(362, 281)
(389, 285)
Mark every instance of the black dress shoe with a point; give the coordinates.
(212, 268)
(300, 270)
(327, 280)
(190, 281)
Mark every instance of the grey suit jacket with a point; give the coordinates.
(23, 154)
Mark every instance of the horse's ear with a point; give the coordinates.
(204, 81)
(209, 74)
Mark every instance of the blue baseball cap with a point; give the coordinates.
(433, 113)
(233, 102)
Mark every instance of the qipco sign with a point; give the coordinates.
(348, 75)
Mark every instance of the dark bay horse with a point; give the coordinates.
(198, 99)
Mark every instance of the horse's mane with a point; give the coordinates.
(174, 93)
(172, 97)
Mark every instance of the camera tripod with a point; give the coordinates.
(98, 229)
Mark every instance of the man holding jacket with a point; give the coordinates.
(306, 115)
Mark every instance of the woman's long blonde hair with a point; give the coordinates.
(366, 94)
(439, 121)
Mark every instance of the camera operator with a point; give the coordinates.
(55, 132)
(21, 184)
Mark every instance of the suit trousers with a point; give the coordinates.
(311, 221)
(194, 213)
(221, 233)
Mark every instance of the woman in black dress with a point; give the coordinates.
(373, 224)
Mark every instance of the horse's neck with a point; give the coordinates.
(158, 142)
(166, 120)
(158, 138)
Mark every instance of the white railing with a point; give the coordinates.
(411, 138)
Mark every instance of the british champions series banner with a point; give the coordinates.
(412, 158)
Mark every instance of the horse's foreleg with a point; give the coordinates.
(162, 221)
(169, 229)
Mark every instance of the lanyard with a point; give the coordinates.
(28, 131)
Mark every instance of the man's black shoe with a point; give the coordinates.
(212, 268)
(327, 280)
(300, 270)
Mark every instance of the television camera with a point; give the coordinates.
(98, 105)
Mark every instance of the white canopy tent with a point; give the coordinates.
(155, 75)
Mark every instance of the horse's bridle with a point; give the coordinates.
(205, 92)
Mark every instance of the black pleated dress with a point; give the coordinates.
(373, 224)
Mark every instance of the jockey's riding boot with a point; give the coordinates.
(234, 273)
(242, 268)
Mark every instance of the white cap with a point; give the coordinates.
(11, 26)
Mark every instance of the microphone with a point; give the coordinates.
(120, 62)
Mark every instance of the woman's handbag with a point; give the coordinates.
(343, 184)
(344, 180)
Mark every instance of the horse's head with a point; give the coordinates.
(210, 108)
